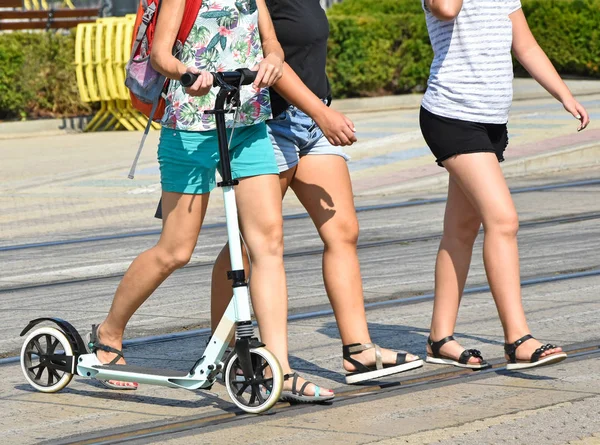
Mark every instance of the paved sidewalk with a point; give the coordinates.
(55, 186)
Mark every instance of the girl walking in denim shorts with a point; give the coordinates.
(188, 157)
(464, 118)
(308, 137)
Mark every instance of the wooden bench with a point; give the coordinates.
(19, 19)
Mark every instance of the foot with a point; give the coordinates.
(310, 389)
(453, 350)
(526, 349)
(368, 358)
(106, 357)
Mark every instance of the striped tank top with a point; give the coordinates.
(471, 73)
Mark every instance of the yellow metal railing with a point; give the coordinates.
(102, 50)
(34, 5)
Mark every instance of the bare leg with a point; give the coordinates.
(480, 178)
(220, 292)
(261, 222)
(461, 226)
(322, 184)
(182, 219)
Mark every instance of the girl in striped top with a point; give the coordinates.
(463, 119)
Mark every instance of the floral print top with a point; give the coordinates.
(224, 37)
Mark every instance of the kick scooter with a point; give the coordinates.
(51, 355)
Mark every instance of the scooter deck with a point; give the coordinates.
(142, 370)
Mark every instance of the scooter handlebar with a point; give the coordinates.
(241, 76)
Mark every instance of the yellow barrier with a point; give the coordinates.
(102, 50)
(36, 5)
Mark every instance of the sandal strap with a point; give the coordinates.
(306, 383)
(467, 354)
(511, 348)
(95, 345)
(437, 345)
(357, 348)
(539, 351)
(401, 357)
(294, 376)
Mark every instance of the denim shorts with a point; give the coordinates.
(294, 134)
(188, 160)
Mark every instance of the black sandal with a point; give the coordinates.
(93, 344)
(380, 369)
(295, 396)
(463, 361)
(535, 360)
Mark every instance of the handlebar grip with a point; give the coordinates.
(188, 79)
(248, 76)
(241, 76)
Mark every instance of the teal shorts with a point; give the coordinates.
(188, 160)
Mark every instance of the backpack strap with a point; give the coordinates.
(149, 12)
(143, 141)
(192, 8)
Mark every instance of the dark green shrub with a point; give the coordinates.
(569, 33)
(382, 47)
(378, 54)
(362, 7)
(37, 76)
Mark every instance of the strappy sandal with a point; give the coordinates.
(535, 360)
(295, 396)
(380, 369)
(463, 361)
(93, 344)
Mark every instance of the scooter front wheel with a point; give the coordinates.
(260, 392)
(45, 350)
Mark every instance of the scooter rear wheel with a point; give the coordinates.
(43, 348)
(262, 391)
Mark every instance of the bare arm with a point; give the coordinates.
(270, 69)
(167, 27)
(337, 128)
(445, 10)
(161, 57)
(533, 58)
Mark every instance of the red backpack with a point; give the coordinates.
(146, 85)
(144, 82)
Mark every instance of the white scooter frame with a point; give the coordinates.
(51, 356)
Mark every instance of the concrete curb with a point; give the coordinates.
(570, 158)
(524, 89)
(43, 127)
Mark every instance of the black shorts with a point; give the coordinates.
(449, 137)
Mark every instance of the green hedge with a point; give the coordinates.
(382, 47)
(569, 32)
(37, 76)
(378, 54)
(364, 7)
(376, 47)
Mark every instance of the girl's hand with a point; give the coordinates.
(269, 70)
(577, 110)
(337, 128)
(202, 85)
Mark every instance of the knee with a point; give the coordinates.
(342, 234)
(172, 260)
(267, 242)
(464, 232)
(505, 224)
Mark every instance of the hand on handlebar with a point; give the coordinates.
(337, 128)
(203, 83)
(269, 70)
